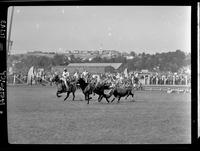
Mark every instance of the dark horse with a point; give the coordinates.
(119, 92)
(89, 88)
(99, 90)
(86, 88)
(61, 87)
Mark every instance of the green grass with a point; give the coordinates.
(37, 116)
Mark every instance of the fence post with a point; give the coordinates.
(14, 79)
(156, 80)
(186, 80)
(148, 80)
(173, 80)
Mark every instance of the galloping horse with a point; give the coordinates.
(61, 87)
(87, 88)
(99, 90)
(96, 88)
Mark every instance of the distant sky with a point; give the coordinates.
(148, 29)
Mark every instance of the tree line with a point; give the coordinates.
(166, 61)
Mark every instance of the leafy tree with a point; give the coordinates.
(58, 59)
(132, 53)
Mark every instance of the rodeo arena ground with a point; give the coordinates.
(107, 108)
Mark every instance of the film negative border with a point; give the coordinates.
(3, 77)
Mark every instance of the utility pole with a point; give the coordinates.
(9, 32)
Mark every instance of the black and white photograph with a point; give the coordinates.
(99, 74)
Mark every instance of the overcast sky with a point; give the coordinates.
(148, 29)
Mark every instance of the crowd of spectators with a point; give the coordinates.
(144, 78)
(167, 79)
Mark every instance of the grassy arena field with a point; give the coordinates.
(37, 116)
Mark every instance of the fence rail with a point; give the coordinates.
(165, 87)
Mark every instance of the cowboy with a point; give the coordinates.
(84, 73)
(76, 74)
(65, 74)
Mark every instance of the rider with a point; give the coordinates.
(65, 74)
(76, 74)
(85, 75)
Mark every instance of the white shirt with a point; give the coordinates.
(65, 74)
(84, 73)
(76, 75)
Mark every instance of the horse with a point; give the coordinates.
(95, 88)
(87, 88)
(61, 87)
(99, 90)
(119, 92)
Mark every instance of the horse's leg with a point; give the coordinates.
(73, 95)
(132, 96)
(99, 98)
(107, 99)
(88, 98)
(113, 99)
(127, 95)
(118, 99)
(67, 95)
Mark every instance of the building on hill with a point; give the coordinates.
(95, 68)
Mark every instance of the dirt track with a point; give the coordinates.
(37, 116)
